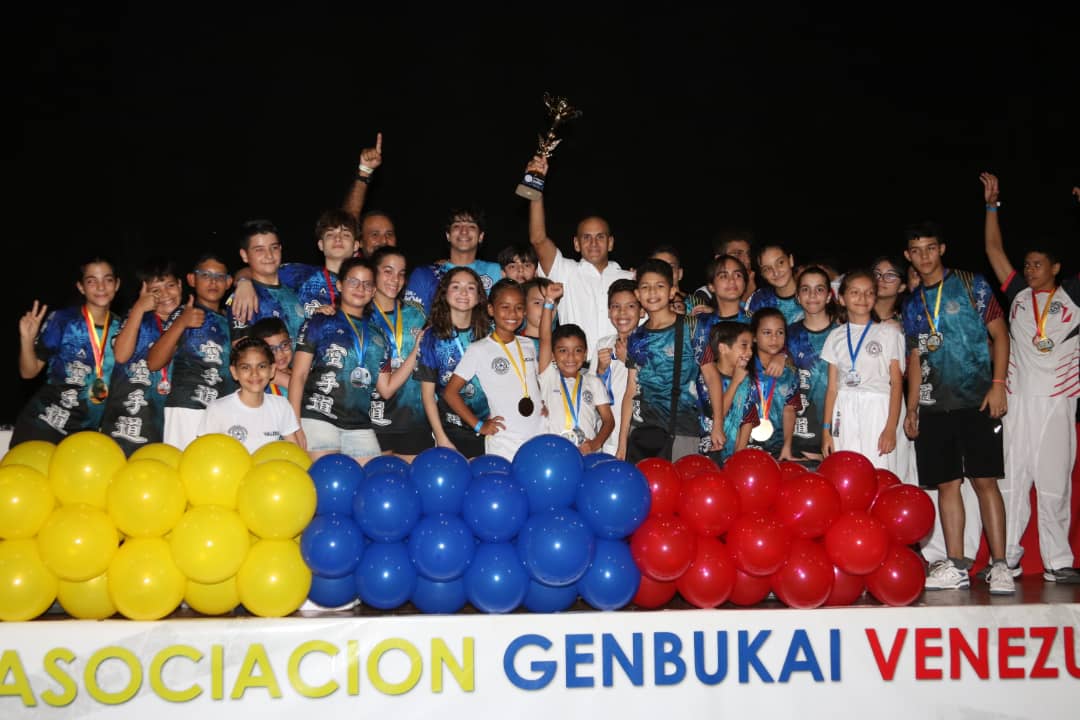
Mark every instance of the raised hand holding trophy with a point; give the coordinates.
(532, 187)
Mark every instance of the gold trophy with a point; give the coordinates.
(532, 187)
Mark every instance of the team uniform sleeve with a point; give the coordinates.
(305, 341)
(426, 362)
(293, 275)
(470, 363)
(828, 350)
(599, 391)
(421, 287)
(992, 309)
(48, 338)
(287, 423)
(895, 348)
(1013, 285)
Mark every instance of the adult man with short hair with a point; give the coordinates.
(464, 233)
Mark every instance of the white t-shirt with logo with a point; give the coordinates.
(254, 427)
(884, 343)
(1044, 374)
(593, 393)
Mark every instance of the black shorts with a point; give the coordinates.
(410, 442)
(466, 441)
(958, 444)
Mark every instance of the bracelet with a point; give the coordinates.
(478, 426)
(992, 207)
(366, 169)
(549, 306)
(995, 380)
(363, 178)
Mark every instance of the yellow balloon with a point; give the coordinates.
(144, 582)
(161, 452)
(87, 600)
(276, 500)
(77, 542)
(217, 599)
(281, 450)
(82, 467)
(273, 581)
(35, 453)
(25, 501)
(146, 498)
(27, 588)
(211, 469)
(209, 543)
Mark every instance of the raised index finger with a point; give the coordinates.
(378, 143)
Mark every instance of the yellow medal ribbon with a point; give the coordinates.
(97, 342)
(359, 337)
(937, 305)
(1040, 319)
(397, 325)
(570, 409)
(520, 372)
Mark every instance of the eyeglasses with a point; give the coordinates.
(353, 283)
(280, 347)
(887, 276)
(208, 275)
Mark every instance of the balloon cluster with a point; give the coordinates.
(755, 527)
(443, 531)
(213, 526)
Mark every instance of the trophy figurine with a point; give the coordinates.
(532, 187)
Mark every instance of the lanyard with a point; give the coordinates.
(854, 352)
(937, 305)
(571, 408)
(329, 285)
(97, 343)
(275, 389)
(520, 372)
(361, 338)
(766, 402)
(1040, 320)
(396, 328)
(606, 377)
(457, 341)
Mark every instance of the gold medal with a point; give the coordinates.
(98, 391)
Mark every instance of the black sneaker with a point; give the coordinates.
(1062, 576)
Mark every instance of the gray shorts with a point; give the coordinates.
(325, 437)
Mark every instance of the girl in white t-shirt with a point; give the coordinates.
(865, 392)
(250, 415)
(505, 365)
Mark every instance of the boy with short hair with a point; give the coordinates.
(273, 332)
(624, 312)
(196, 342)
(518, 262)
(652, 350)
(260, 249)
(578, 406)
(732, 345)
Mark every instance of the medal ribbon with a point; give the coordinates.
(520, 372)
(1040, 320)
(97, 343)
(275, 389)
(165, 367)
(571, 409)
(457, 341)
(361, 338)
(396, 328)
(937, 305)
(854, 353)
(766, 403)
(329, 286)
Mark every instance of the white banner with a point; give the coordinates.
(1003, 661)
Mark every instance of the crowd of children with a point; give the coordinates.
(916, 371)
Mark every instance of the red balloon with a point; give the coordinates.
(808, 505)
(846, 588)
(854, 478)
(806, 579)
(711, 576)
(856, 543)
(652, 594)
(899, 580)
(691, 465)
(664, 485)
(885, 479)
(749, 589)
(663, 547)
(906, 511)
(756, 477)
(758, 543)
(709, 503)
(790, 469)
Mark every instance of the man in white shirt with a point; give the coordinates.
(586, 281)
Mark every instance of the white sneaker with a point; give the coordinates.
(1000, 580)
(944, 575)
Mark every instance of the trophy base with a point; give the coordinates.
(528, 193)
(532, 187)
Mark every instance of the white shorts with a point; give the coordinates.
(326, 437)
(182, 426)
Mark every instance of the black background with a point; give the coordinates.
(158, 131)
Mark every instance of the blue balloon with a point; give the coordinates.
(593, 459)
(386, 464)
(495, 507)
(332, 592)
(442, 476)
(385, 577)
(441, 547)
(614, 499)
(439, 597)
(543, 598)
(612, 580)
(550, 468)
(331, 545)
(483, 464)
(337, 477)
(556, 547)
(387, 507)
(496, 582)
